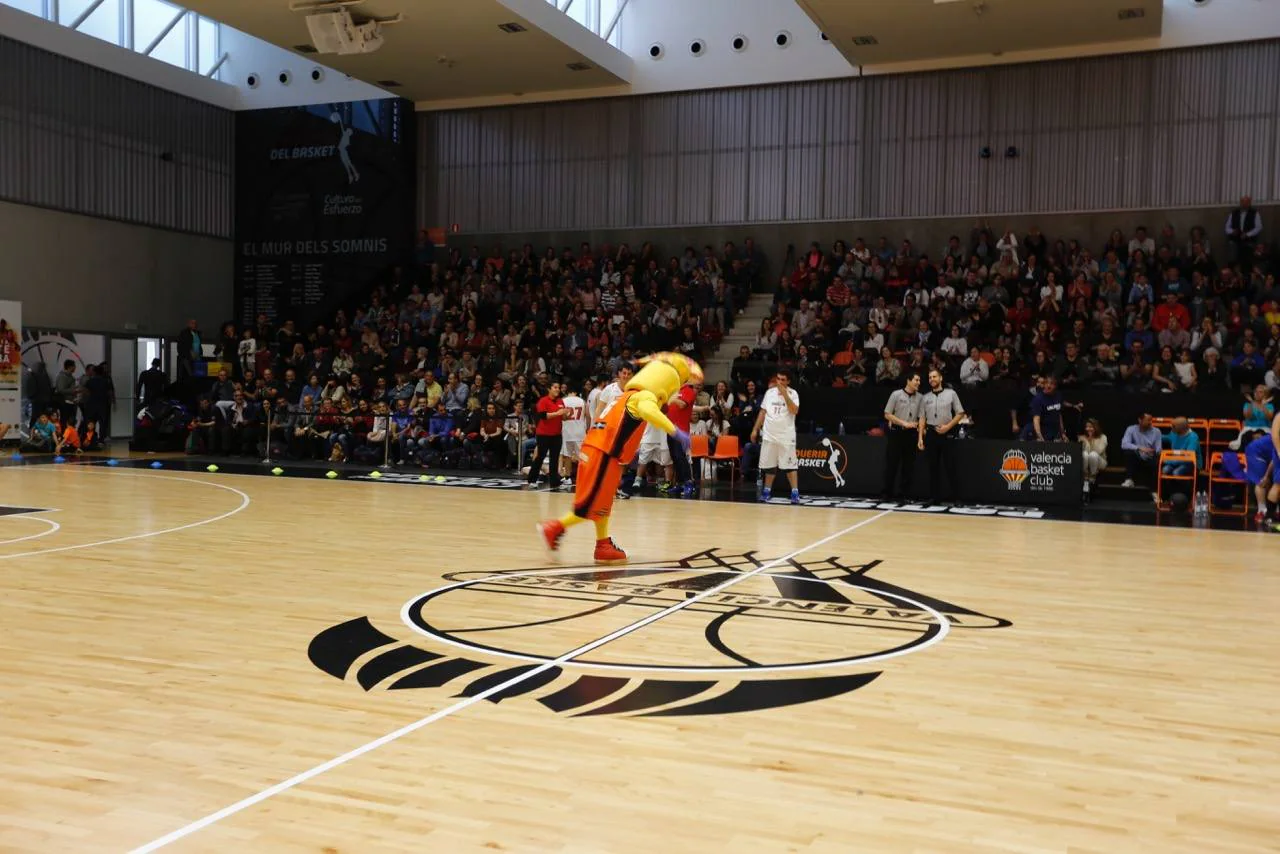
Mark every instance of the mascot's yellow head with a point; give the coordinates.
(664, 374)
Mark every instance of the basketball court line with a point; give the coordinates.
(52, 529)
(467, 702)
(244, 503)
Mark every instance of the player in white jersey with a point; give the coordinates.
(653, 450)
(608, 394)
(778, 445)
(575, 421)
(603, 400)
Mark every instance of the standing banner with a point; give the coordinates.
(10, 362)
(325, 205)
(989, 471)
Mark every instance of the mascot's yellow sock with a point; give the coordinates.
(602, 525)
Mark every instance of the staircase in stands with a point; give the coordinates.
(744, 332)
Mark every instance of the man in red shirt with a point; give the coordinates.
(1170, 308)
(550, 416)
(680, 411)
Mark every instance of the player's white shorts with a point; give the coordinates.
(654, 454)
(778, 455)
(570, 450)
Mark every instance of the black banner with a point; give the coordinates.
(989, 471)
(324, 204)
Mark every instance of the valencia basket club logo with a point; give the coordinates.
(1015, 469)
(798, 632)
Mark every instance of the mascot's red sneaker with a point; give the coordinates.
(607, 552)
(551, 530)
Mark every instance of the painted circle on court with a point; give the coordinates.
(417, 615)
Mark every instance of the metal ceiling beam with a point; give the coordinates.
(617, 16)
(84, 16)
(155, 42)
(213, 72)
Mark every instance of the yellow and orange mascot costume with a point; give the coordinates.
(612, 442)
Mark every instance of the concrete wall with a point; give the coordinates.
(95, 275)
(928, 235)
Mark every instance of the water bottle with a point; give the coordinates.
(841, 429)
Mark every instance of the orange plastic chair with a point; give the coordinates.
(988, 357)
(1222, 432)
(1218, 475)
(842, 359)
(1161, 476)
(728, 451)
(1162, 424)
(699, 447)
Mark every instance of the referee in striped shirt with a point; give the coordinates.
(940, 413)
(902, 414)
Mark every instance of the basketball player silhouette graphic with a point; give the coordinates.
(833, 461)
(344, 146)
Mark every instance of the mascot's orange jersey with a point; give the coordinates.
(618, 430)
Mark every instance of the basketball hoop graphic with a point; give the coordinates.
(1014, 468)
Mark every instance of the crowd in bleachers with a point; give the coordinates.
(1159, 311)
(443, 362)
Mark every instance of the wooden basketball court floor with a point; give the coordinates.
(204, 662)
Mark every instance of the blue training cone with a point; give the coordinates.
(157, 464)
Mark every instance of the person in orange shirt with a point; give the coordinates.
(611, 444)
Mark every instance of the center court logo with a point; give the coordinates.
(795, 633)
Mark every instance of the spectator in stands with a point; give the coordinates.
(1174, 335)
(1188, 376)
(1214, 376)
(238, 428)
(305, 442)
(1206, 336)
(1093, 447)
(1258, 410)
(974, 371)
(1141, 446)
(1272, 379)
(204, 423)
(190, 349)
(1182, 438)
(1244, 225)
(889, 369)
(1247, 368)
(1168, 311)
(223, 392)
(1164, 373)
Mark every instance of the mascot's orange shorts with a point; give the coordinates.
(596, 484)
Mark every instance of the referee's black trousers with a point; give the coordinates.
(940, 451)
(900, 459)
